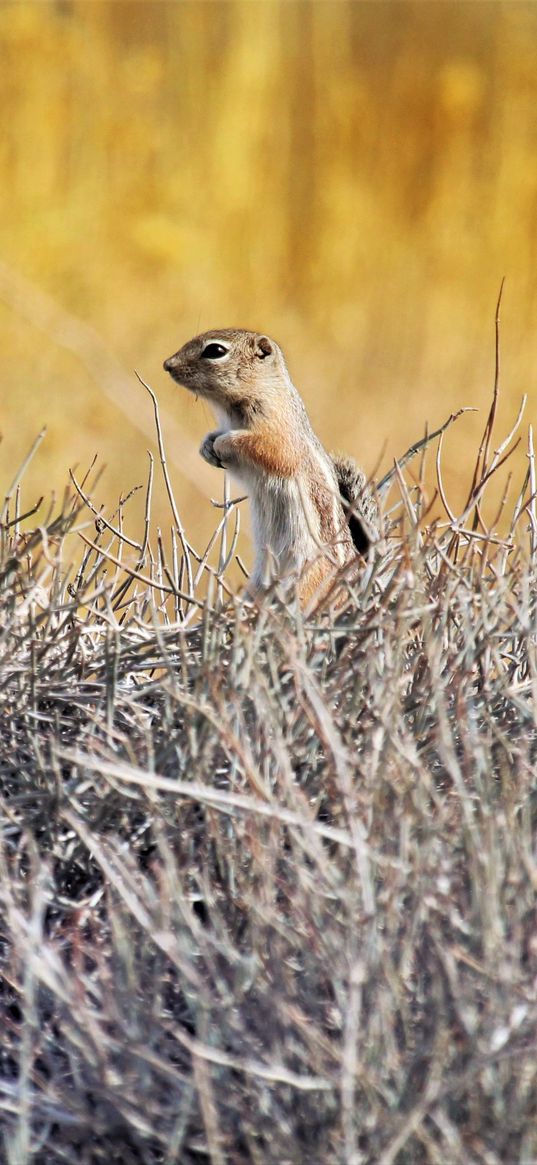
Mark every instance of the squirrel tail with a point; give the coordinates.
(359, 502)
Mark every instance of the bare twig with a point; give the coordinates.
(417, 447)
(21, 471)
(169, 488)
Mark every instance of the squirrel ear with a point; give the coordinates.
(263, 347)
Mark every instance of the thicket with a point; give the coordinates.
(268, 881)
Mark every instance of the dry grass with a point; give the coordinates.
(268, 885)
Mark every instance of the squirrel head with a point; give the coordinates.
(240, 372)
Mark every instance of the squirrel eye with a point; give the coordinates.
(214, 352)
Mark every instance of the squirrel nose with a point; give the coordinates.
(168, 364)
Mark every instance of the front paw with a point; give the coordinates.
(207, 449)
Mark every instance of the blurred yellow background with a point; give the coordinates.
(352, 178)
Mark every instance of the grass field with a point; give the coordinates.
(268, 883)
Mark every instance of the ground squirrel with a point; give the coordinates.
(311, 511)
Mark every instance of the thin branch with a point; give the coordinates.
(22, 517)
(100, 516)
(482, 453)
(496, 388)
(21, 471)
(417, 447)
(169, 488)
(533, 487)
(136, 574)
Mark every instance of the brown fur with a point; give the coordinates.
(259, 447)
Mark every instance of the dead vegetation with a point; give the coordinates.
(268, 884)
